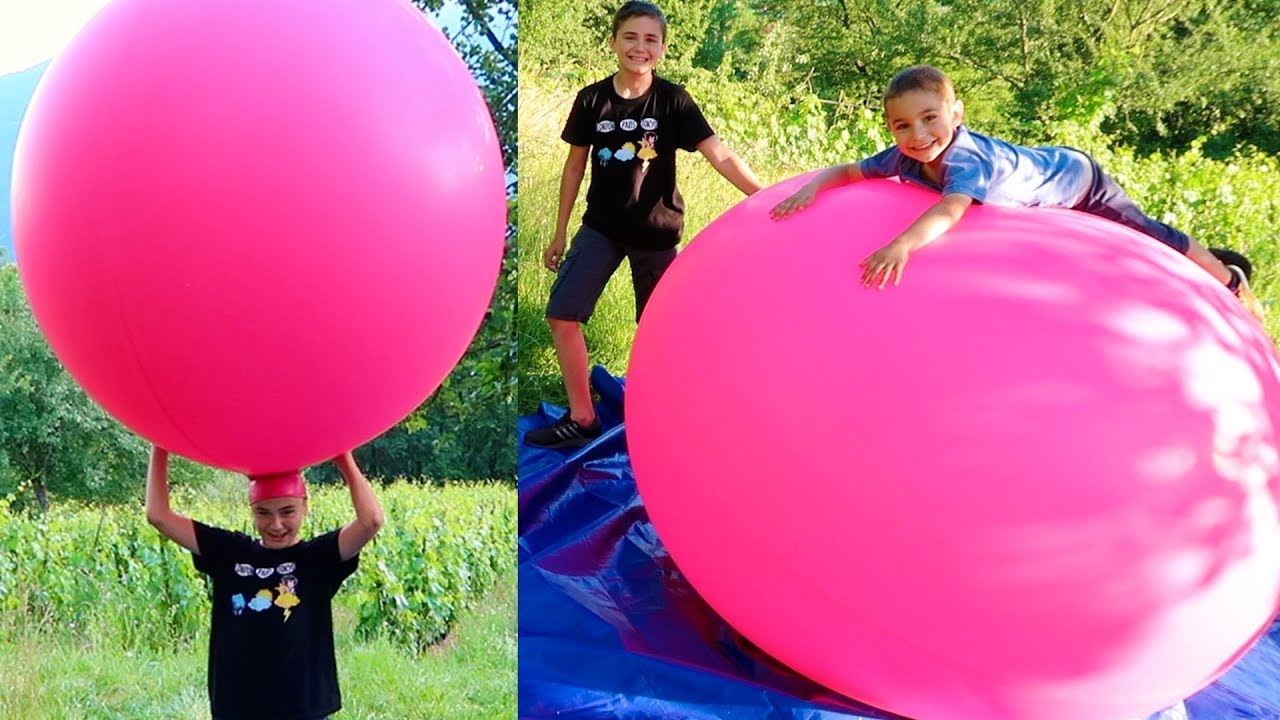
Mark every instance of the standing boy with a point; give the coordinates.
(271, 640)
(630, 126)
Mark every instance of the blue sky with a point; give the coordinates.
(24, 55)
(15, 92)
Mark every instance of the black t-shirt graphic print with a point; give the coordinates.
(271, 636)
(632, 197)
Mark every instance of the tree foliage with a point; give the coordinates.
(1154, 74)
(52, 436)
(466, 429)
(54, 440)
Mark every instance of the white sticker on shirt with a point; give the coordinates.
(604, 126)
(283, 596)
(628, 124)
(247, 570)
(649, 124)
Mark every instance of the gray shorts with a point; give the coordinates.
(587, 267)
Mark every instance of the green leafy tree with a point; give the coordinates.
(1155, 74)
(1152, 74)
(54, 441)
(1215, 75)
(564, 39)
(569, 38)
(466, 429)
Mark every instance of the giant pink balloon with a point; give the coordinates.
(1037, 480)
(259, 233)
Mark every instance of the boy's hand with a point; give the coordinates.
(346, 459)
(554, 253)
(888, 260)
(802, 199)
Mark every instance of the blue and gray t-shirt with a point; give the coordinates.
(995, 172)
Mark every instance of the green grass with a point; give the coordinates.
(612, 327)
(471, 674)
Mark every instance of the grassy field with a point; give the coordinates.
(1231, 204)
(471, 674)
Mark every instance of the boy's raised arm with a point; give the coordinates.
(892, 258)
(728, 164)
(575, 168)
(369, 518)
(177, 528)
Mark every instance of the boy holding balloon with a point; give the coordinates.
(271, 641)
(933, 149)
(630, 125)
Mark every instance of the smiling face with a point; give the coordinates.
(923, 123)
(639, 44)
(278, 520)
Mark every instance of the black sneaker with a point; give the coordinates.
(563, 433)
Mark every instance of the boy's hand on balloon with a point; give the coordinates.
(802, 199)
(889, 260)
(346, 464)
(554, 253)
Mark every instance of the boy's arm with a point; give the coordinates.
(575, 167)
(369, 518)
(177, 528)
(892, 258)
(727, 163)
(831, 177)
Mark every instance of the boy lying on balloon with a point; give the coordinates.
(933, 149)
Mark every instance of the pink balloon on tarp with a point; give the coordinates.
(1038, 480)
(259, 233)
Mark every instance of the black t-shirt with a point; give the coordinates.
(271, 639)
(633, 197)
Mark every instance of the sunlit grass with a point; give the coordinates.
(471, 675)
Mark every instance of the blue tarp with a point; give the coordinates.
(609, 628)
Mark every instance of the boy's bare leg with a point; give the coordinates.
(571, 351)
(1201, 256)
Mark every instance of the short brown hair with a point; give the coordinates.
(639, 8)
(920, 77)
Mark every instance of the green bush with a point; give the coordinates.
(103, 572)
